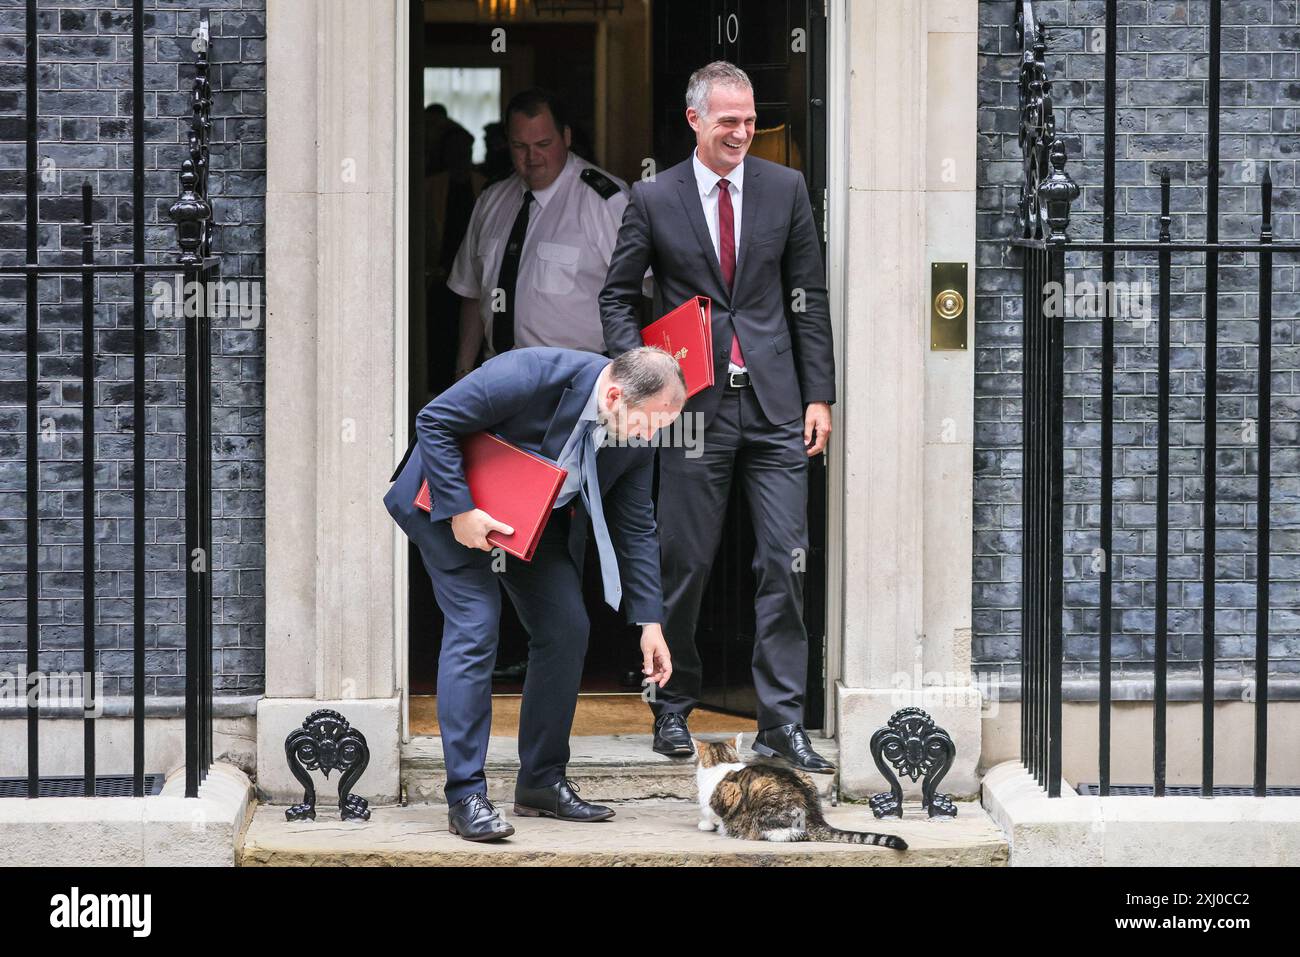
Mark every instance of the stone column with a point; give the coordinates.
(906, 416)
(333, 144)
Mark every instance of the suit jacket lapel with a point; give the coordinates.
(752, 203)
(688, 191)
(561, 425)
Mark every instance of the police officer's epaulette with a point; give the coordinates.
(598, 181)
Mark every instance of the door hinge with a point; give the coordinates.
(826, 216)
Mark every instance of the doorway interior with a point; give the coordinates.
(621, 69)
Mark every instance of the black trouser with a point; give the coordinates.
(771, 464)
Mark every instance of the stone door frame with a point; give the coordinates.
(901, 75)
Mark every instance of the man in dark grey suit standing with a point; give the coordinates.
(739, 230)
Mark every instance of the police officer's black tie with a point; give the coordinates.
(503, 323)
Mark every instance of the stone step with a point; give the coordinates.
(611, 767)
(650, 832)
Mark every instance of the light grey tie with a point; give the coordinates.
(590, 489)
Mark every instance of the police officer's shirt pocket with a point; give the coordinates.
(557, 268)
(487, 263)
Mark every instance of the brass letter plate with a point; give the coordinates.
(948, 306)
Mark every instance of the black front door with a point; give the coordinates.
(781, 45)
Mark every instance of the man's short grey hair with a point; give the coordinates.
(644, 372)
(702, 81)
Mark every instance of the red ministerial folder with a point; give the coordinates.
(510, 484)
(686, 333)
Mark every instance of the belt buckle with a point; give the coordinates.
(737, 380)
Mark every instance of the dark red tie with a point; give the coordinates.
(727, 255)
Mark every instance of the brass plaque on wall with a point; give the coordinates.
(948, 306)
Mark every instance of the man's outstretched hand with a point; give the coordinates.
(656, 663)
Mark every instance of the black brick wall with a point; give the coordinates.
(85, 134)
(1162, 121)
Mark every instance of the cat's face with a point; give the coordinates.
(712, 753)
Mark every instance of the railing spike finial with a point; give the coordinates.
(1057, 192)
(1039, 144)
(87, 226)
(1266, 207)
(192, 212)
(1165, 218)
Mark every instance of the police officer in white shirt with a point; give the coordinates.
(538, 245)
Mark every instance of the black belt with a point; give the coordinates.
(738, 380)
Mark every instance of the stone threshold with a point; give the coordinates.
(649, 832)
(1075, 830)
(612, 767)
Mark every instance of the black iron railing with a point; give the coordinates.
(1047, 193)
(193, 216)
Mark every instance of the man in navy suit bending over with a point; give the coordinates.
(594, 417)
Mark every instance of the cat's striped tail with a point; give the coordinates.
(825, 832)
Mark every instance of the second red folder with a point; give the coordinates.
(687, 334)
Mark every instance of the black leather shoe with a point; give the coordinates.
(672, 737)
(516, 672)
(475, 819)
(790, 741)
(559, 801)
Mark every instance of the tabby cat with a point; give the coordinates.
(765, 802)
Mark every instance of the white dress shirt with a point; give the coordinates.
(707, 182)
(566, 254)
